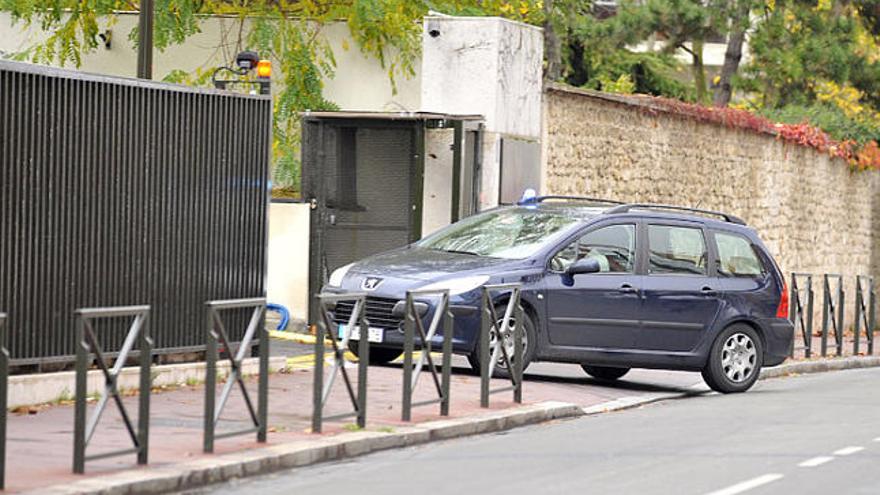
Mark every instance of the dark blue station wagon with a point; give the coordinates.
(606, 285)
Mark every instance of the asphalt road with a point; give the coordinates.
(809, 434)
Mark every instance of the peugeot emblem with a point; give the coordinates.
(371, 283)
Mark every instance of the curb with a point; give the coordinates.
(202, 472)
(820, 365)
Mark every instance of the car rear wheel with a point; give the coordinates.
(604, 372)
(735, 360)
(501, 370)
(378, 355)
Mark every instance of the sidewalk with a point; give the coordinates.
(40, 446)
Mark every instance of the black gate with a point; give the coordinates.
(118, 192)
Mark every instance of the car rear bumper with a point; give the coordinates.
(778, 336)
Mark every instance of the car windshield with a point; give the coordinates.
(511, 233)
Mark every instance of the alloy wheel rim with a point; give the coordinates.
(739, 357)
(509, 341)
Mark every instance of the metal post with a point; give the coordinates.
(872, 321)
(793, 311)
(826, 302)
(210, 381)
(4, 377)
(484, 349)
(518, 352)
(145, 40)
(79, 414)
(145, 346)
(857, 328)
(363, 366)
(409, 329)
(263, 390)
(318, 381)
(448, 334)
(810, 299)
(841, 306)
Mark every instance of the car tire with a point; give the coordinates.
(530, 336)
(735, 360)
(606, 373)
(378, 355)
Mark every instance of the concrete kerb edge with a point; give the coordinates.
(207, 471)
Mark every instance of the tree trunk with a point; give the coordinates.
(733, 54)
(699, 70)
(552, 46)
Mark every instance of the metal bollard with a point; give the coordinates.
(832, 313)
(805, 324)
(490, 323)
(865, 302)
(411, 373)
(326, 324)
(87, 343)
(216, 333)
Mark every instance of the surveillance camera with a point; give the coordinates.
(247, 60)
(434, 33)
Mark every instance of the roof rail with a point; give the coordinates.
(541, 199)
(648, 206)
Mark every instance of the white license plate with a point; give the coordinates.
(376, 335)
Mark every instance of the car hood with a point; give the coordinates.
(425, 264)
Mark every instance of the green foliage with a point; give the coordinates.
(830, 119)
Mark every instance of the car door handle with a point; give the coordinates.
(708, 291)
(627, 289)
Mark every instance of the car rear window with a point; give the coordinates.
(736, 256)
(676, 250)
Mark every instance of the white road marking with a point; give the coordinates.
(816, 461)
(748, 484)
(877, 439)
(848, 450)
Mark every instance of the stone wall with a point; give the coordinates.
(812, 211)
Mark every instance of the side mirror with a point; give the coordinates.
(584, 265)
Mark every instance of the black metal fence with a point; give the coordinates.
(117, 191)
(833, 312)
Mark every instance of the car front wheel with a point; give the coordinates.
(735, 360)
(529, 336)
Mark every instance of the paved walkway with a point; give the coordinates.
(40, 446)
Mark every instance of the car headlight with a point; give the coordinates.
(458, 286)
(339, 274)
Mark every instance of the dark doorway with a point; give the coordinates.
(363, 175)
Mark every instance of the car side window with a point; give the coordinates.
(614, 247)
(736, 256)
(676, 250)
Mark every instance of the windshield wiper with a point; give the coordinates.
(456, 251)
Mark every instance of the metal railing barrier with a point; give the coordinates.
(86, 344)
(500, 328)
(327, 328)
(832, 312)
(4, 385)
(414, 327)
(216, 333)
(865, 313)
(802, 317)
